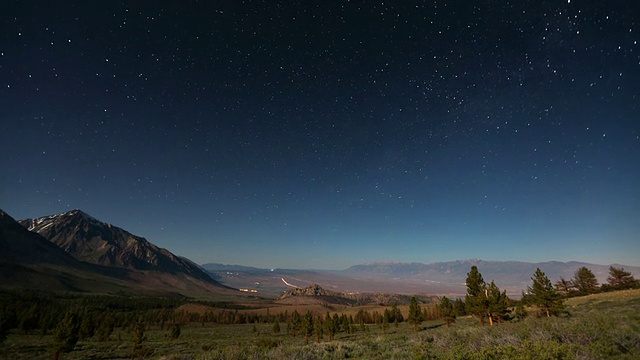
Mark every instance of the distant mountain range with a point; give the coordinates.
(406, 278)
(74, 251)
(507, 273)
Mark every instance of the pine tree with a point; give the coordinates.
(318, 328)
(337, 323)
(415, 315)
(620, 279)
(295, 323)
(564, 287)
(543, 294)
(396, 314)
(446, 309)
(585, 281)
(459, 308)
(331, 326)
(476, 299)
(66, 334)
(307, 326)
(498, 308)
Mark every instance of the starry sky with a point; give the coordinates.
(308, 134)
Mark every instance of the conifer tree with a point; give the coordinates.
(564, 287)
(318, 328)
(415, 315)
(295, 322)
(476, 300)
(337, 321)
(396, 314)
(331, 326)
(620, 279)
(498, 309)
(446, 309)
(307, 326)
(66, 334)
(459, 307)
(585, 281)
(544, 295)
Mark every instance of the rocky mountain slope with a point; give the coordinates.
(97, 257)
(93, 241)
(27, 260)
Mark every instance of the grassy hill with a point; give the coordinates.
(601, 326)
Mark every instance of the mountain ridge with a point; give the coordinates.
(28, 260)
(97, 242)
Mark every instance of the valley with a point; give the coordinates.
(108, 294)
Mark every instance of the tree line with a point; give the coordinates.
(488, 303)
(72, 317)
(584, 282)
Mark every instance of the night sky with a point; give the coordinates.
(321, 135)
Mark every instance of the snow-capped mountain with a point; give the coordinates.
(93, 241)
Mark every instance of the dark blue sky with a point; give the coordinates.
(313, 135)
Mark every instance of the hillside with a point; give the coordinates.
(93, 241)
(28, 261)
(97, 257)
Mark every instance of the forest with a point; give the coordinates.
(575, 318)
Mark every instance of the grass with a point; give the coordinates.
(602, 326)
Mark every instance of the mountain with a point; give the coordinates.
(27, 260)
(507, 274)
(75, 252)
(96, 242)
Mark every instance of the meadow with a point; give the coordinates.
(600, 326)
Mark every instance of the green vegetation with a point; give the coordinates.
(475, 300)
(415, 316)
(65, 335)
(601, 325)
(446, 309)
(585, 281)
(619, 279)
(544, 295)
